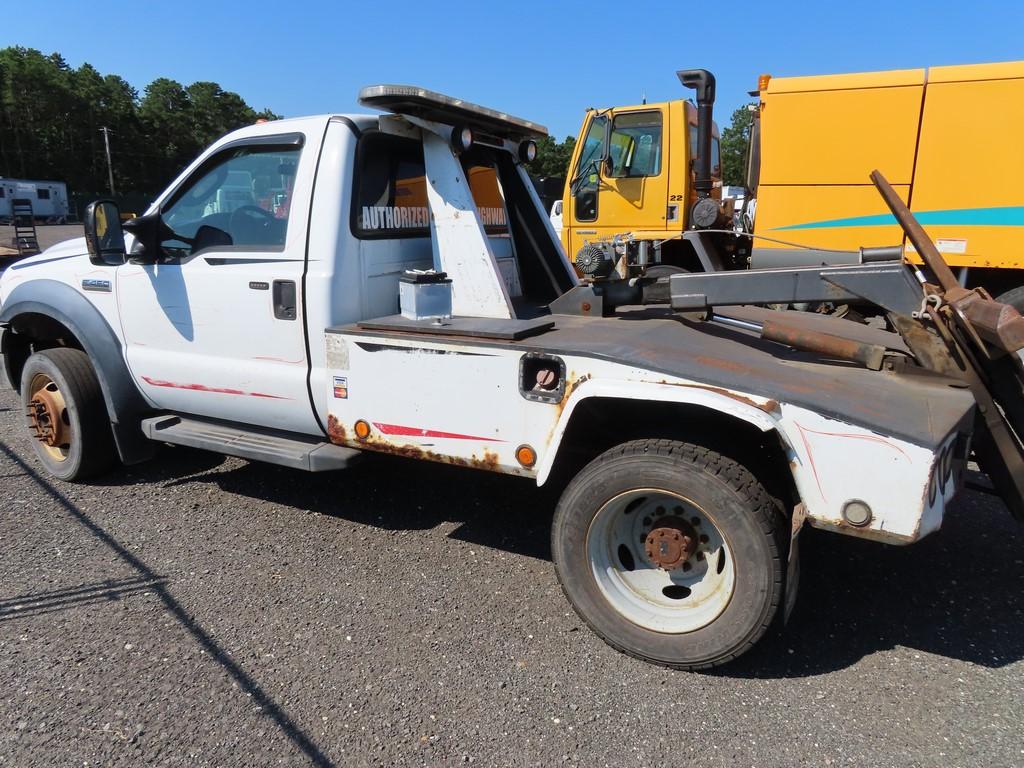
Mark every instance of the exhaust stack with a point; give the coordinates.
(703, 82)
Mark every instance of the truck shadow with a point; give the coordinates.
(144, 579)
(956, 594)
(382, 491)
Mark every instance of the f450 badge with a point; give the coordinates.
(103, 286)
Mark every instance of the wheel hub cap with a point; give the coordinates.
(671, 543)
(46, 416)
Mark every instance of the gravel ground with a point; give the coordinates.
(47, 234)
(198, 610)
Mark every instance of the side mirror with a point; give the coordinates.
(103, 234)
(149, 231)
(608, 167)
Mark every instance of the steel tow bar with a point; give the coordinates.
(981, 337)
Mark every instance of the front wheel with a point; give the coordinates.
(670, 552)
(66, 414)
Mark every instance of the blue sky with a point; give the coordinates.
(543, 61)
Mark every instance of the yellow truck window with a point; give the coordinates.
(635, 144)
(585, 178)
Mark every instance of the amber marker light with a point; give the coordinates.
(362, 429)
(762, 82)
(526, 456)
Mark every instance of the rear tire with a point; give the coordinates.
(702, 613)
(1014, 297)
(664, 270)
(66, 414)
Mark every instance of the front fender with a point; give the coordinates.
(125, 404)
(754, 411)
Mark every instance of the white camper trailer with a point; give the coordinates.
(49, 199)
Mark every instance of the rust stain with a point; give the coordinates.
(560, 405)
(338, 434)
(489, 461)
(723, 365)
(768, 406)
(336, 430)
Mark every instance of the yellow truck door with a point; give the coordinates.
(619, 179)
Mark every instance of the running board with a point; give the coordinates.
(286, 449)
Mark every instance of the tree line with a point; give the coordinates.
(51, 115)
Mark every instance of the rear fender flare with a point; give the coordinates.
(756, 412)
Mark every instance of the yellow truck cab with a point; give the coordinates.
(632, 180)
(934, 133)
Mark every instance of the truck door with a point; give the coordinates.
(621, 178)
(215, 328)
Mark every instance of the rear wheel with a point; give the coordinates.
(1014, 297)
(670, 552)
(66, 414)
(665, 270)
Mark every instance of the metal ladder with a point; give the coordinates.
(25, 239)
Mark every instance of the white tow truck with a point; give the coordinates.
(391, 283)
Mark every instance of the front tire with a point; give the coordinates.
(671, 553)
(66, 414)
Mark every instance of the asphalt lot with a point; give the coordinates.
(47, 234)
(199, 610)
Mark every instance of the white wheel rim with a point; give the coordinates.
(672, 602)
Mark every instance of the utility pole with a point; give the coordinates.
(110, 168)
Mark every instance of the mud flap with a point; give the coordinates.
(793, 562)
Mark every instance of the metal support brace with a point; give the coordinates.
(458, 239)
(890, 286)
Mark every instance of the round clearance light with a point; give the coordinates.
(362, 429)
(526, 456)
(462, 139)
(528, 151)
(857, 513)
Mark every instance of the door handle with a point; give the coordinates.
(284, 300)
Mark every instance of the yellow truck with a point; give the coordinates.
(940, 135)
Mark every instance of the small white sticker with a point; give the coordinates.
(945, 245)
(341, 388)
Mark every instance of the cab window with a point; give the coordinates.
(240, 199)
(716, 152)
(391, 196)
(586, 175)
(635, 145)
(391, 188)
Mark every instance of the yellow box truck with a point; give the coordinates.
(941, 135)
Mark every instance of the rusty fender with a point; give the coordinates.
(760, 412)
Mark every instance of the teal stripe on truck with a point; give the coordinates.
(1007, 216)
